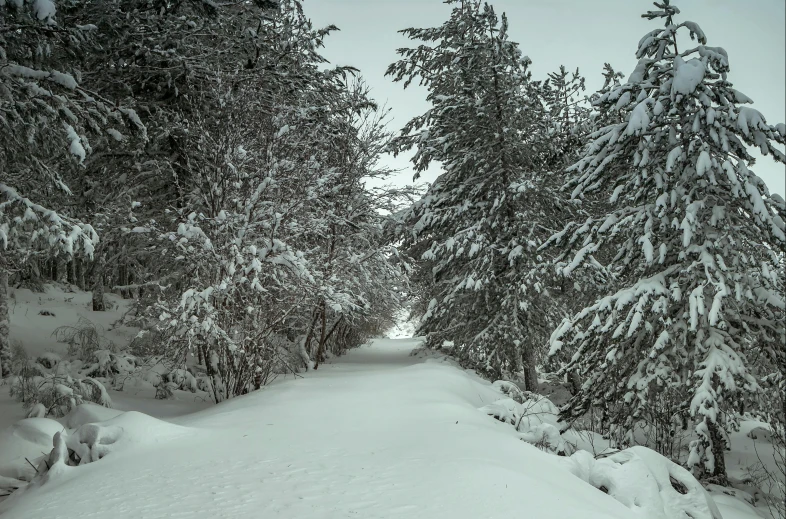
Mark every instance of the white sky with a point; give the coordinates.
(574, 33)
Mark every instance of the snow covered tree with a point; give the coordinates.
(264, 216)
(568, 116)
(46, 114)
(357, 282)
(693, 236)
(280, 244)
(475, 230)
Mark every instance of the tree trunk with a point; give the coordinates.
(575, 381)
(98, 295)
(79, 274)
(48, 271)
(5, 326)
(718, 474)
(530, 373)
(310, 335)
(61, 268)
(321, 349)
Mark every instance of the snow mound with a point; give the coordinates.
(734, 508)
(28, 438)
(129, 429)
(649, 484)
(87, 443)
(88, 413)
(91, 442)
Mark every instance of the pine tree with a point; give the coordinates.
(693, 236)
(568, 115)
(473, 230)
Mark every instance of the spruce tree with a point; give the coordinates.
(694, 236)
(472, 230)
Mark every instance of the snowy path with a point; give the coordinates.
(378, 434)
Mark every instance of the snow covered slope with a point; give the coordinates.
(377, 434)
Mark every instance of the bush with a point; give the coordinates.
(148, 343)
(56, 393)
(108, 364)
(83, 339)
(45, 388)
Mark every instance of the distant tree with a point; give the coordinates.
(568, 116)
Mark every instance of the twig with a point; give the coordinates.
(34, 467)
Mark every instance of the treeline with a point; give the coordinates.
(619, 240)
(203, 158)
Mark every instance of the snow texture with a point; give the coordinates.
(687, 75)
(385, 435)
(646, 482)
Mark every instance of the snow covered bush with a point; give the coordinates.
(109, 365)
(652, 486)
(291, 245)
(56, 394)
(533, 416)
(177, 379)
(45, 385)
(83, 338)
(147, 343)
(693, 238)
(512, 390)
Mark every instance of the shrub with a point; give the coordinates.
(57, 393)
(83, 338)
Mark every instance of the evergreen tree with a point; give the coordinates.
(568, 116)
(473, 229)
(694, 237)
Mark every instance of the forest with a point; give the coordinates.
(203, 162)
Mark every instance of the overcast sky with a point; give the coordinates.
(574, 33)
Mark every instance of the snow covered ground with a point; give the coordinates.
(379, 433)
(376, 433)
(35, 316)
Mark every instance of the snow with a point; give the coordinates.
(116, 135)
(641, 479)
(44, 9)
(687, 75)
(695, 31)
(26, 439)
(639, 119)
(704, 164)
(34, 330)
(76, 147)
(750, 119)
(63, 79)
(379, 433)
(733, 508)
